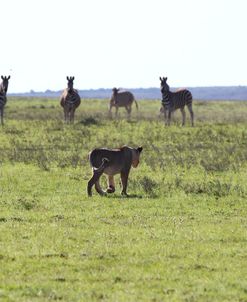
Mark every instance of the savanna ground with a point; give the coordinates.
(180, 236)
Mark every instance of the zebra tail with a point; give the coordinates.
(136, 104)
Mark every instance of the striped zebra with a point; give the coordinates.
(70, 100)
(3, 94)
(175, 100)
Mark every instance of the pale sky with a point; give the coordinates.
(123, 43)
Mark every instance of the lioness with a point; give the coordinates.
(111, 162)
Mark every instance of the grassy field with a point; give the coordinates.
(180, 236)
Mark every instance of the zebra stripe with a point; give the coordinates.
(3, 99)
(3, 93)
(172, 101)
(70, 100)
(176, 100)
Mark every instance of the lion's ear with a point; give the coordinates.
(139, 149)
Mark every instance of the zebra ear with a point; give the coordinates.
(8, 77)
(165, 79)
(67, 78)
(72, 78)
(161, 79)
(2, 77)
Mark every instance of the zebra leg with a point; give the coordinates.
(2, 117)
(169, 117)
(116, 113)
(72, 116)
(128, 109)
(191, 114)
(65, 114)
(183, 116)
(111, 184)
(69, 116)
(109, 111)
(165, 116)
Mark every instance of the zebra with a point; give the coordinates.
(3, 94)
(70, 100)
(175, 100)
(121, 99)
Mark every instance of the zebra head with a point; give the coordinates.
(70, 83)
(5, 83)
(115, 90)
(164, 87)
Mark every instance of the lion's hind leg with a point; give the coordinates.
(97, 172)
(98, 188)
(93, 181)
(111, 184)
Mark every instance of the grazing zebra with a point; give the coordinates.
(175, 100)
(3, 93)
(70, 100)
(122, 99)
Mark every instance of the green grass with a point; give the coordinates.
(180, 236)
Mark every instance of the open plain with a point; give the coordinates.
(181, 235)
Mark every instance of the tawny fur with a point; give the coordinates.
(112, 162)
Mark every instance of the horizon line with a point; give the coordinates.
(124, 88)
